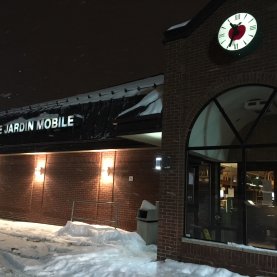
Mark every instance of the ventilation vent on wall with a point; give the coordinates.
(255, 105)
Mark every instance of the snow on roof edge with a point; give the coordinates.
(180, 25)
(129, 89)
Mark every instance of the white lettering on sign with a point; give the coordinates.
(36, 125)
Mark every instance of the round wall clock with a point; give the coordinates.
(238, 32)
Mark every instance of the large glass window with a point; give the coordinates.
(232, 169)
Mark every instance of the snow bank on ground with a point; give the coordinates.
(83, 250)
(85, 234)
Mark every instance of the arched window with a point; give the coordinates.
(231, 185)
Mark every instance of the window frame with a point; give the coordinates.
(243, 146)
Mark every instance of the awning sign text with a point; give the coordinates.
(37, 124)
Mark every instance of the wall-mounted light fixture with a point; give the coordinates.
(107, 170)
(162, 162)
(40, 170)
(158, 163)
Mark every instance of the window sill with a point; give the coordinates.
(231, 246)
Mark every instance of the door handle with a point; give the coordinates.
(217, 217)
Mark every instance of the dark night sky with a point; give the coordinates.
(54, 49)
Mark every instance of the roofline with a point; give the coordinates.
(154, 80)
(194, 23)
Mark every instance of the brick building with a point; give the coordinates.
(217, 187)
(94, 151)
(219, 118)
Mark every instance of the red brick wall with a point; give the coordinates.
(250, 264)
(69, 177)
(15, 192)
(196, 71)
(145, 185)
(81, 177)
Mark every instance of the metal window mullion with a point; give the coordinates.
(229, 122)
(233, 146)
(242, 196)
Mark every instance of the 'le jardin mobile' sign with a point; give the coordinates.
(37, 124)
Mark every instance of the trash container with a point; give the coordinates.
(147, 222)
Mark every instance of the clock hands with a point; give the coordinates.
(235, 32)
(234, 25)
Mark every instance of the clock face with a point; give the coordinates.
(237, 32)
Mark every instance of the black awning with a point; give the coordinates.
(93, 120)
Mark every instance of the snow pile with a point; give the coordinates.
(81, 250)
(85, 234)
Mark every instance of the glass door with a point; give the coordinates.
(261, 210)
(198, 217)
(229, 230)
(212, 202)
